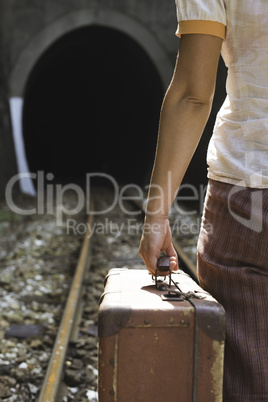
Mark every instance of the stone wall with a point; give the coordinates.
(22, 20)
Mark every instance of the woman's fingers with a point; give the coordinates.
(150, 258)
(154, 242)
(173, 261)
(173, 257)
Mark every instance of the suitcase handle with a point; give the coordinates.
(163, 265)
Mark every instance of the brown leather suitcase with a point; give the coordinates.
(157, 345)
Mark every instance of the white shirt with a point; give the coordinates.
(238, 149)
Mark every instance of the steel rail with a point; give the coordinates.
(53, 376)
(186, 261)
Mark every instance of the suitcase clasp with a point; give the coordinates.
(174, 294)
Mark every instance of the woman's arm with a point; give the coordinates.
(185, 111)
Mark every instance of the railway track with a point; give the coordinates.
(75, 345)
(69, 320)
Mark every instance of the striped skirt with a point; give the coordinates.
(233, 267)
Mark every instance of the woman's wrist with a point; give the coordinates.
(155, 217)
(155, 224)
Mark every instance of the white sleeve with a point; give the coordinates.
(201, 16)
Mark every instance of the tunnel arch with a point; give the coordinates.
(91, 104)
(85, 17)
(42, 41)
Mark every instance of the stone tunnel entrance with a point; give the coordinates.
(92, 104)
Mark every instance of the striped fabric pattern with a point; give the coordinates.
(233, 267)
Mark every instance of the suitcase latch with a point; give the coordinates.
(173, 294)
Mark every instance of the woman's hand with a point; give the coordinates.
(157, 237)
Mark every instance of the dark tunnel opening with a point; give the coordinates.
(92, 104)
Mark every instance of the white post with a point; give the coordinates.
(16, 108)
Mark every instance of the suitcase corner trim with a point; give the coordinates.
(112, 318)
